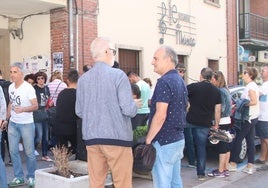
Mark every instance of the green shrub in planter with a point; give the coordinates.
(139, 132)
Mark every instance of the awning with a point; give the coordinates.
(21, 8)
(254, 44)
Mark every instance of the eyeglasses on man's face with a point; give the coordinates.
(113, 50)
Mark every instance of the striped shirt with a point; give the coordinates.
(54, 92)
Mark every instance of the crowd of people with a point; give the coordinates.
(112, 104)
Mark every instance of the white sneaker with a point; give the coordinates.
(20, 147)
(36, 153)
(248, 170)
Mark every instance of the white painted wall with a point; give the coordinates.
(3, 23)
(135, 23)
(36, 40)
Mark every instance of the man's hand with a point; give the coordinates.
(3, 125)
(148, 140)
(138, 102)
(18, 109)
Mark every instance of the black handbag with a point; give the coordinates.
(40, 115)
(51, 111)
(51, 115)
(144, 158)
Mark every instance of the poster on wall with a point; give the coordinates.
(36, 63)
(58, 61)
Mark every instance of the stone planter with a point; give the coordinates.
(44, 179)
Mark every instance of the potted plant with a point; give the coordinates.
(65, 173)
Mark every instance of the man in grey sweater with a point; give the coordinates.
(105, 104)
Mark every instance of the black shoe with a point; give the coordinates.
(202, 177)
(258, 161)
(9, 163)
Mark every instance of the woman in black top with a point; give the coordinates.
(65, 122)
(41, 127)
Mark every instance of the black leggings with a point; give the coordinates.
(63, 140)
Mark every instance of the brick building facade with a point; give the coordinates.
(85, 17)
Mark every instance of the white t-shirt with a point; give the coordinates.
(254, 110)
(264, 102)
(21, 97)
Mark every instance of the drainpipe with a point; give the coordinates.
(237, 36)
(71, 35)
(77, 52)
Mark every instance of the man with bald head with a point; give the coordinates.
(167, 119)
(105, 104)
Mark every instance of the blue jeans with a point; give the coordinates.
(200, 135)
(3, 177)
(247, 131)
(15, 132)
(167, 167)
(189, 145)
(41, 134)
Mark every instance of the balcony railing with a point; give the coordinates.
(252, 26)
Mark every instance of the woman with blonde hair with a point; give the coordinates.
(56, 85)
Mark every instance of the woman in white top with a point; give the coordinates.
(251, 93)
(262, 125)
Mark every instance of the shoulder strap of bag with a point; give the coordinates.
(56, 91)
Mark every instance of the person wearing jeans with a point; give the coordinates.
(172, 167)
(3, 178)
(167, 119)
(20, 110)
(205, 103)
(3, 124)
(190, 147)
(188, 133)
(15, 131)
(200, 135)
(41, 126)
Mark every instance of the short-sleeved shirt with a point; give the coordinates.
(21, 96)
(55, 87)
(203, 96)
(254, 110)
(145, 95)
(170, 88)
(264, 102)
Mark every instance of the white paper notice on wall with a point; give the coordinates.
(37, 63)
(58, 61)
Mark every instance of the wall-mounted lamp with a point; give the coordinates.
(16, 32)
